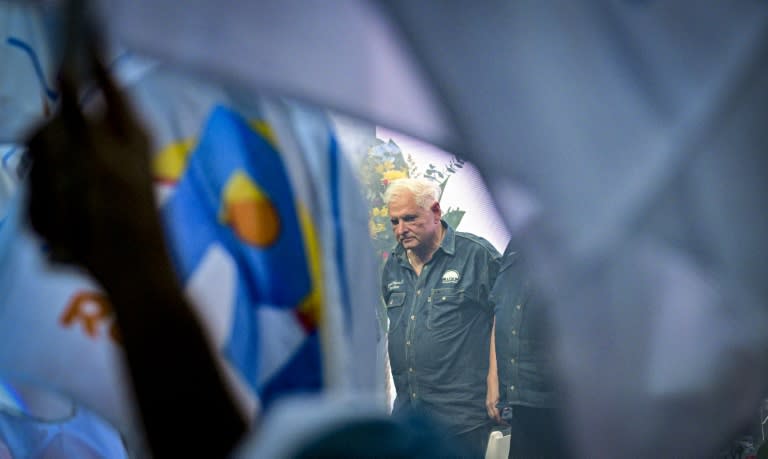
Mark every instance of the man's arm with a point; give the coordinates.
(492, 394)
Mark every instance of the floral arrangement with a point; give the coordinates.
(385, 163)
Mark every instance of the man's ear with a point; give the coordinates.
(436, 210)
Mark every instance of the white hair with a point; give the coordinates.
(425, 192)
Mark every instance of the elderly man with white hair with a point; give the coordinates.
(435, 285)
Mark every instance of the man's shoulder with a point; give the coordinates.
(511, 255)
(469, 241)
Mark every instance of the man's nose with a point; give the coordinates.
(399, 228)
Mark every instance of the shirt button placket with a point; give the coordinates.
(411, 376)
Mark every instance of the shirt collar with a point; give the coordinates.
(449, 239)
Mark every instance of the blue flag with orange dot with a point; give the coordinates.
(235, 192)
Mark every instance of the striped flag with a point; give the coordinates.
(235, 194)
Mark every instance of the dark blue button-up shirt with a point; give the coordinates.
(522, 341)
(439, 329)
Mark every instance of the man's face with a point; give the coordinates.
(414, 227)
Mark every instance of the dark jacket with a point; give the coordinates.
(522, 340)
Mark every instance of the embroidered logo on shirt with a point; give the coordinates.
(394, 285)
(451, 277)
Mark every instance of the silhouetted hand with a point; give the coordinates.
(91, 199)
(91, 195)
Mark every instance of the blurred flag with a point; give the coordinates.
(235, 193)
(26, 92)
(56, 334)
(36, 423)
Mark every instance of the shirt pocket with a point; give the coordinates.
(395, 309)
(445, 308)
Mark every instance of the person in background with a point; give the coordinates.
(521, 386)
(436, 285)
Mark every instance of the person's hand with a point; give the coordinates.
(492, 398)
(492, 380)
(91, 195)
(91, 199)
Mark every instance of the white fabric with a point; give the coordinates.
(24, 47)
(40, 346)
(42, 425)
(498, 445)
(352, 59)
(634, 124)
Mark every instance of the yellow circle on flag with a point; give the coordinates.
(249, 211)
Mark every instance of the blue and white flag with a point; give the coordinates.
(235, 195)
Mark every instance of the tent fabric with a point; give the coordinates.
(369, 73)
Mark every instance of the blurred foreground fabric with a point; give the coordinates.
(637, 128)
(291, 306)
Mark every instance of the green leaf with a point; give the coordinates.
(453, 217)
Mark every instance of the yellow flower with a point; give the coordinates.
(375, 212)
(394, 175)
